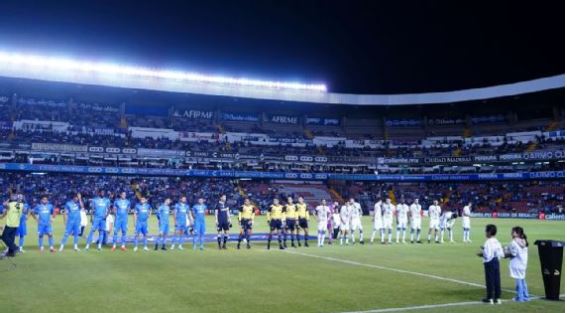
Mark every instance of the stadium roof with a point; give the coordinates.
(67, 70)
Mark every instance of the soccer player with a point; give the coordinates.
(22, 230)
(72, 220)
(447, 222)
(142, 212)
(467, 222)
(388, 218)
(434, 213)
(402, 211)
(336, 221)
(222, 221)
(246, 219)
(345, 223)
(415, 214)
(323, 213)
(181, 211)
(356, 221)
(101, 206)
(198, 211)
(290, 211)
(303, 219)
(43, 214)
(378, 225)
(163, 223)
(275, 217)
(333, 207)
(121, 208)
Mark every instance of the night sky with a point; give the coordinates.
(352, 46)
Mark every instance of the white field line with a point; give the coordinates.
(391, 269)
(429, 306)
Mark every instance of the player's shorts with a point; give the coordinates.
(434, 224)
(355, 224)
(466, 222)
(121, 224)
(246, 223)
(416, 223)
(181, 225)
(22, 230)
(387, 222)
(99, 224)
(322, 226)
(275, 224)
(142, 228)
(402, 223)
(199, 228)
(223, 226)
(44, 229)
(378, 224)
(303, 222)
(163, 228)
(449, 224)
(345, 227)
(290, 223)
(73, 227)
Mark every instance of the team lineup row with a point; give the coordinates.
(290, 220)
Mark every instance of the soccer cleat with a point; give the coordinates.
(299, 244)
(113, 248)
(99, 247)
(498, 301)
(163, 248)
(306, 244)
(123, 248)
(51, 249)
(172, 247)
(238, 246)
(87, 248)
(490, 301)
(248, 245)
(156, 247)
(282, 247)
(362, 242)
(293, 245)
(146, 248)
(180, 247)
(41, 249)
(22, 250)
(135, 249)
(61, 248)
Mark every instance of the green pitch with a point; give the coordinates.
(329, 279)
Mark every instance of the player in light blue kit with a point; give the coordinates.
(181, 209)
(198, 212)
(100, 206)
(163, 223)
(142, 212)
(121, 208)
(43, 214)
(22, 230)
(72, 220)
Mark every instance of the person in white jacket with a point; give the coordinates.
(491, 253)
(517, 251)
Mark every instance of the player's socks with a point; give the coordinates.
(372, 236)
(87, 246)
(145, 242)
(40, 242)
(403, 235)
(224, 240)
(21, 243)
(50, 241)
(297, 239)
(219, 240)
(418, 234)
(361, 237)
(76, 247)
(389, 236)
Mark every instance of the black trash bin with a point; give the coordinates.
(551, 260)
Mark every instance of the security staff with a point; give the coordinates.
(13, 212)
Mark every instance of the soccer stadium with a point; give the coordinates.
(133, 187)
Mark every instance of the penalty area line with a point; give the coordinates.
(430, 306)
(392, 269)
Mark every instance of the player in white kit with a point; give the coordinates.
(356, 220)
(415, 215)
(467, 222)
(378, 226)
(402, 210)
(388, 218)
(323, 212)
(336, 221)
(345, 214)
(434, 213)
(447, 223)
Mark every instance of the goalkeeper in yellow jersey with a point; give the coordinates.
(303, 219)
(246, 219)
(275, 217)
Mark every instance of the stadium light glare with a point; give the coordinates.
(43, 63)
